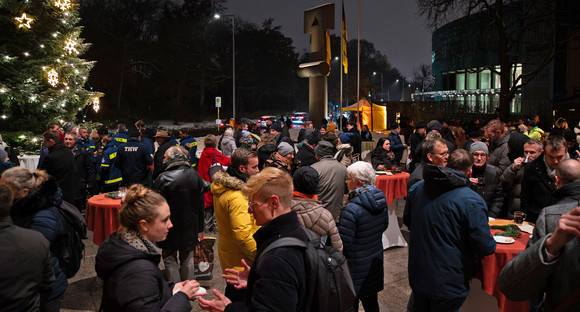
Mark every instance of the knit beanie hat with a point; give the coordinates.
(276, 126)
(345, 137)
(324, 148)
(478, 146)
(306, 180)
(285, 149)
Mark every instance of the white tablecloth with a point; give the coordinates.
(30, 162)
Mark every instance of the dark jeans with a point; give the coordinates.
(370, 303)
(421, 303)
(235, 295)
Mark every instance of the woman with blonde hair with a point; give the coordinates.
(228, 143)
(128, 260)
(35, 207)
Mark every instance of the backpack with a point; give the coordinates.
(329, 284)
(69, 247)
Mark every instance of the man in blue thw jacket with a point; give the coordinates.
(133, 159)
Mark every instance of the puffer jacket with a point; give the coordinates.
(235, 224)
(228, 146)
(133, 281)
(38, 211)
(449, 227)
(491, 191)
(313, 216)
(511, 182)
(558, 278)
(183, 189)
(362, 223)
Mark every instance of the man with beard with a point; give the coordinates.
(235, 224)
(84, 169)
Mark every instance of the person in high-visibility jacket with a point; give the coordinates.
(111, 176)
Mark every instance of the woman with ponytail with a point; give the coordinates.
(128, 260)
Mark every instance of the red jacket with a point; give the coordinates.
(205, 161)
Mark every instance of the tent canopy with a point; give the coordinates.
(373, 115)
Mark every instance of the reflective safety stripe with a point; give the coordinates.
(113, 155)
(104, 165)
(121, 140)
(114, 181)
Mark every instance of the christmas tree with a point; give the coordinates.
(42, 77)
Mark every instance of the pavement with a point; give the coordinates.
(85, 288)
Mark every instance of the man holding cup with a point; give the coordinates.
(486, 179)
(552, 252)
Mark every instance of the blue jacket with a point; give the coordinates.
(38, 211)
(396, 146)
(362, 223)
(190, 144)
(149, 144)
(110, 172)
(120, 137)
(449, 227)
(133, 159)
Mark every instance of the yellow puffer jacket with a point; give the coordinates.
(236, 226)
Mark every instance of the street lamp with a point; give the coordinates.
(382, 91)
(217, 16)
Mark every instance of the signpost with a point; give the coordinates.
(218, 104)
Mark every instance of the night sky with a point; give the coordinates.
(392, 25)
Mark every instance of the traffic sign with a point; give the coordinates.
(218, 101)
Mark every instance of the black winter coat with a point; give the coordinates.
(38, 211)
(362, 223)
(159, 166)
(356, 141)
(278, 283)
(85, 169)
(133, 158)
(305, 155)
(264, 153)
(60, 164)
(491, 190)
(537, 189)
(133, 281)
(183, 189)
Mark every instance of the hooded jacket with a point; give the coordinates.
(133, 281)
(228, 146)
(183, 189)
(449, 227)
(235, 224)
(362, 223)
(558, 278)
(210, 156)
(38, 211)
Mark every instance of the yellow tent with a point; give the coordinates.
(375, 118)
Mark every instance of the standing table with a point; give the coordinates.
(29, 162)
(489, 268)
(394, 186)
(102, 216)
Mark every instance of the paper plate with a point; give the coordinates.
(490, 219)
(504, 239)
(201, 290)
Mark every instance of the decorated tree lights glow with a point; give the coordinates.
(42, 76)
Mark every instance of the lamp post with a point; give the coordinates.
(382, 91)
(217, 16)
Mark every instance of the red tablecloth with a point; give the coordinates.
(102, 216)
(491, 266)
(394, 186)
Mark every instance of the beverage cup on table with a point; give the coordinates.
(519, 217)
(393, 169)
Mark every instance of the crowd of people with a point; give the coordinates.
(254, 187)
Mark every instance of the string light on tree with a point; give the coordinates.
(24, 21)
(52, 76)
(70, 46)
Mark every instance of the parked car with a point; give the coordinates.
(262, 120)
(299, 118)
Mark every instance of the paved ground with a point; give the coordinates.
(85, 289)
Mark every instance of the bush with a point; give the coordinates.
(23, 142)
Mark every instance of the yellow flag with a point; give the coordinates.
(344, 39)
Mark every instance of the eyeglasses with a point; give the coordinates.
(482, 155)
(441, 154)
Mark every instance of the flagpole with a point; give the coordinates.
(341, 56)
(358, 67)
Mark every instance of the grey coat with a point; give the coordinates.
(332, 184)
(499, 156)
(528, 274)
(511, 182)
(228, 146)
